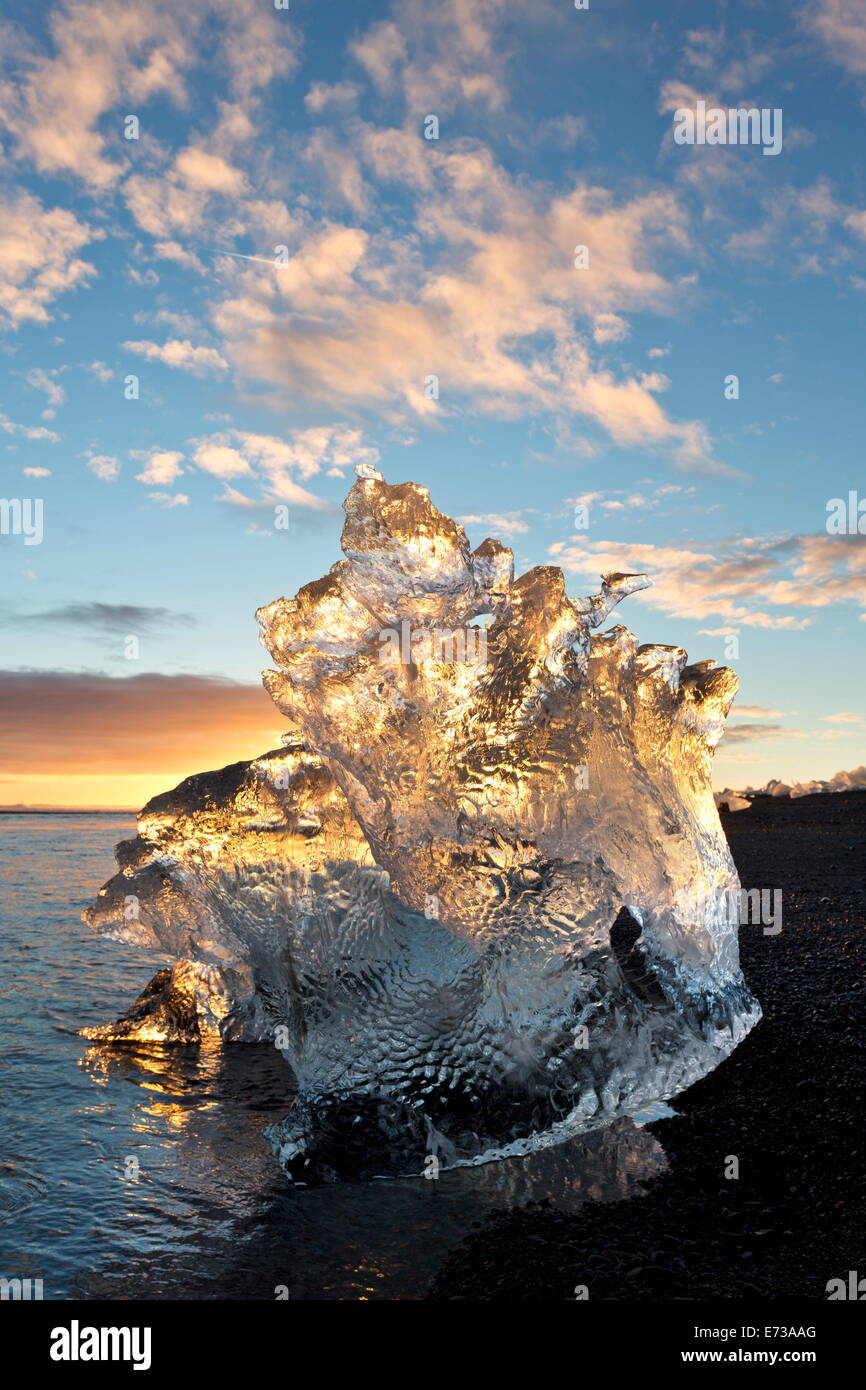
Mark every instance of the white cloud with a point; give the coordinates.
(162, 468)
(324, 96)
(41, 380)
(104, 466)
(182, 354)
(500, 314)
(841, 26)
(438, 57)
(38, 257)
(112, 57)
(173, 251)
(381, 51)
(275, 463)
(497, 523)
(610, 328)
(200, 169)
(147, 279)
(102, 54)
(739, 582)
(165, 499)
(27, 431)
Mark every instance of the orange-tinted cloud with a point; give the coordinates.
(734, 580)
(69, 738)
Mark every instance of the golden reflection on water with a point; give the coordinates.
(191, 1073)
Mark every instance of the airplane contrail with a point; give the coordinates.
(239, 255)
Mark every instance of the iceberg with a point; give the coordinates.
(478, 899)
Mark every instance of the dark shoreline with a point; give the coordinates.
(789, 1103)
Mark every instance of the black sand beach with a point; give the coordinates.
(788, 1103)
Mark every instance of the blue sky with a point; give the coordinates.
(262, 384)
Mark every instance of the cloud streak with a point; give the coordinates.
(736, 580)
(116, 618)
(70, 723)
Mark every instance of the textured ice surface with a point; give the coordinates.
(416, 898)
